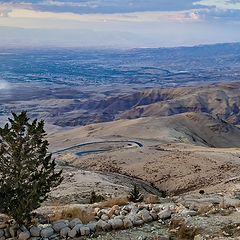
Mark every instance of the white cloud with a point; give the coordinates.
(4, 85)
(221, 4)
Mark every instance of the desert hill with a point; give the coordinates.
(221, 100)
(196, 128)
(180, 153)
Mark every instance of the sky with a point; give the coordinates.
(118, 23)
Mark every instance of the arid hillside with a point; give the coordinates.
(221, 100)
(179, 153)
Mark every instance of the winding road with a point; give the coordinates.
(97, 150)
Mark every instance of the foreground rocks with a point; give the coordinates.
(181, 216)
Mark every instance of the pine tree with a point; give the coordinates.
(27, 171)
(135, 195)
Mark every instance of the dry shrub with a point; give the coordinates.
(120, 201)
(152, 199)
(188, 232)
(84, 213)
(204, 209)
(184, 231)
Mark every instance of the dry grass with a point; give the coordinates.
(120, 201)
(184, 231)
(54, 213)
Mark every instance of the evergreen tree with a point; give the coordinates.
(27, 171)
(135, 195)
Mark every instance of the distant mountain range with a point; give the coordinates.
(221, 100)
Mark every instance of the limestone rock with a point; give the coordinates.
(165, 214)
(102, 225)
(72, 233)
(116, 223)
(104, 217)
(85, 231)
(145, 215)
(127, 223)
(77, 227)
(47, 232)
(58, 225)
(35, 231)
(92, 226)
(24, 235)
(74, 222)
(64, 232)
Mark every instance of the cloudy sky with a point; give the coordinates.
(118, 23)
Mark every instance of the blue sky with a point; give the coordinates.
(118, 23)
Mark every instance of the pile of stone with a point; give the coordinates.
(106, 219)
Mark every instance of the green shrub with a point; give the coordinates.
(95, 198)
(135, 195)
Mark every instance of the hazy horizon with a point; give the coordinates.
(120, 24)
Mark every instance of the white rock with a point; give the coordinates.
(72, 233)
(64, 232)
(116, 223)
(127, 223)
(104, 217)
(145, 215)
(85, 231)
(24, 235)
(165, 214)
(47, 232)
(74, 222)
(58, 225)
(35, 231)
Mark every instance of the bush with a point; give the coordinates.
(27, 172)
(94, 198)
(135, 195)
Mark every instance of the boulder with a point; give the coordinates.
(35, 231)
(92, 226)
(135, 220)
(74, 222)
(47, 232)
(187, 212)
(104, 217)
(58, 225)
(145, 215)
(85, 231)
(1, 233)
(77, 227)
(154, 215)
(127, 223)
(102, 225)
(24, 235)
(165, 214)
(64, 232)
(72, 233)
(116, 223)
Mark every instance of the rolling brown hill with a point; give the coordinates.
(220, 100)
